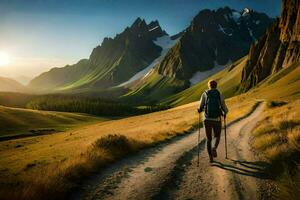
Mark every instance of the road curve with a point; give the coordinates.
(170, 171)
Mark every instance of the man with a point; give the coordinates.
(213, 104)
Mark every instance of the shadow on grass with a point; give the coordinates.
(255, 169)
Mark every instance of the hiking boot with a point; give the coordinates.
(211, 159)
(214, 152)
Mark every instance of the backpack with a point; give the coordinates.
(213, 104)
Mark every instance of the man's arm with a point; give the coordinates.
(223, 105)
(202, 103)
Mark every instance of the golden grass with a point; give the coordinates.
(283, 86)
(51, 164)
(57, 161)
(277, 137)
(17, 121)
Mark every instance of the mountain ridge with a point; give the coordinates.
(206, 47)
(214, 37)
(11, 85)
(110, 63)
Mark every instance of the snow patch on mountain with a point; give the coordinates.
(222, 30)
(152, 29)
(166, 43)
(202, 75)
(236, 16)
(246, 11)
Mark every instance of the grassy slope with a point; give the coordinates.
(277, 136)
(228, 81)
(153, 88)
(282, 85)
(159, 88)
(67, 151)
(16, 121)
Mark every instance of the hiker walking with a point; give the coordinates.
(213, 104)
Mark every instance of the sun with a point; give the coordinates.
(4, 59)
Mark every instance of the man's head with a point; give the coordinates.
(212, 84)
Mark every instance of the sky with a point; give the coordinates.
(36, 35)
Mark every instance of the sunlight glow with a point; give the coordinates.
(4, 59)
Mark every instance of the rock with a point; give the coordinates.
(277, 49)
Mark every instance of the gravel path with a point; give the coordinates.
(170, 171)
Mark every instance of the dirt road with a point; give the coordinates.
(170, 171)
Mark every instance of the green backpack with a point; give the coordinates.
(213, 104)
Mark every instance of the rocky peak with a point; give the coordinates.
(139, 26)
(115, 61)
(129, 52)
(155, 30)
(153, 24)
(278, 48)
(246, 12)
(214, 38)
(138, 23)
(224, 11)
(141, 29)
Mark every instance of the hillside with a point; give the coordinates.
(114, 61)
(283, 84)
(228, 83)
(22, 122)
(10, 85)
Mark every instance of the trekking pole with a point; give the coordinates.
(225, 137)
(198, 139)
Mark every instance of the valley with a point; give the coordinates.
(123, 123)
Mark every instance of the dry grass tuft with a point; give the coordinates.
(117, 144)
(277, 137)
(273, 104)
(54, 182)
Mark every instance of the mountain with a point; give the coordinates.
(114, 61)
(10, 85)
(144, 62)
(228, 83)
(278, 48)
(214, 39)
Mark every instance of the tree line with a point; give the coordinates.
(94, 106)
